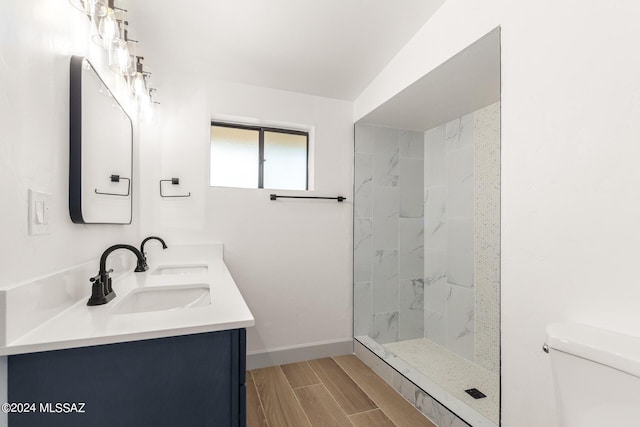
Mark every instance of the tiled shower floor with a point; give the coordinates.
(452, 372)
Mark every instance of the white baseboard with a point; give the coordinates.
(284, 355)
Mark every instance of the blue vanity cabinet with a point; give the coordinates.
(190, 380)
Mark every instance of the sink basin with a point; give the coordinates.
(164, 298)
(181, 269)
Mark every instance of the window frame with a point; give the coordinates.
(261, 130)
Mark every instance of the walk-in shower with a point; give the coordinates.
(427, 235)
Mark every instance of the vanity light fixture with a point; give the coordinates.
(108, 27)
(111, 33)
(139, 82)
(142, 91)
(107, 30)
(120, 58)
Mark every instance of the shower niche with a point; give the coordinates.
(427, 237)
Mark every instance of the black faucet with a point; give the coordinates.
(164, 246)
(101, 291)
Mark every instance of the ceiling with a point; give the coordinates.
(467, 82)
(330, 48)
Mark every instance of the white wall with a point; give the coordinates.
(37, 39)
(292, 259)
(570, 176)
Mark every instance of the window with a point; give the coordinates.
(258, 157)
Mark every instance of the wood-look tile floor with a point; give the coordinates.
(332, 392)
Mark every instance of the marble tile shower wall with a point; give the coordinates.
(449, 236)
(389, 233)
(462, 236)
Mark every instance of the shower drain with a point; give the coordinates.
(475, 393)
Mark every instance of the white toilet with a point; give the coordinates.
(596, 376)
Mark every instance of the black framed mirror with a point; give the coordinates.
(100, 150)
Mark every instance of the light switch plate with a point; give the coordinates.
(39, 213)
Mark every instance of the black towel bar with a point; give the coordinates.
(338, 198)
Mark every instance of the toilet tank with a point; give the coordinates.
(596, 376)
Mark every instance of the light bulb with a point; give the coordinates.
(108, 29)
(139, 85)
(121, 57)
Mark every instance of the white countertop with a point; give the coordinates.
(80, 325)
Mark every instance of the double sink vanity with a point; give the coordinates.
(168, 350)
